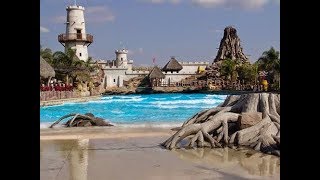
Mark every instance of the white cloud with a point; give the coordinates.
(133, 52)
(161, 1)
(140, 50)
(175, 1)
(245, 4)
(59, 19)
(99, 14)
(153, 1)
(44, 30)
(208, 3)
(93, 14)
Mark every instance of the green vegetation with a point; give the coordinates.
(228, 69)
(68, 66)
(270, 62)
(248, 73)
(234, 70)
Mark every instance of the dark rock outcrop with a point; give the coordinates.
(82, 120)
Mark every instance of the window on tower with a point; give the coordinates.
(121, 59)
(80, 54)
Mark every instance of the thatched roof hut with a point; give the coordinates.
(156, 73)
(46, 70)
(172, 65)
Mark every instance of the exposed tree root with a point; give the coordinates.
(80, 120)
(219, 126)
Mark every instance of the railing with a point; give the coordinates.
(57, 88)
(75, 37)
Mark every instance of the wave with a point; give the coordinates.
(175, 106)
(159, 98)
(117, 111)
(126, 97)
(45, 125)
(110, 101)
(182, 102)
(215, 96)
(106, 97)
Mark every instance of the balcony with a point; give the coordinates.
(87, 38)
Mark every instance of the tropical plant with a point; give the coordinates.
(46, 54)
(270, 62)
(69, 65)
(247, 72)
(228, 69)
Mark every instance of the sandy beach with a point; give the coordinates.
(134, 153)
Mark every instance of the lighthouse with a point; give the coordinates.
(121, 57)
(75, 36)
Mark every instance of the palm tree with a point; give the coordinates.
(270, 62)
(46, 54)
(69, 65)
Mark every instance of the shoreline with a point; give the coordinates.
(103, 132)
(93, 98)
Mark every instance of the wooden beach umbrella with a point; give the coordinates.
(46, 71)
(155, 74)
(172, 65)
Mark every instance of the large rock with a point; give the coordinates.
(230, 46)
(249, 119)
(100, 122)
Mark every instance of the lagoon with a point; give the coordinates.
(159, 110)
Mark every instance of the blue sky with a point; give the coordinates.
(190, 30)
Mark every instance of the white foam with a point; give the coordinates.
(116, 111)
(193, 101)
(215, 96)
(107, 97)
(45, 125)
(127, 97)
(159, 98)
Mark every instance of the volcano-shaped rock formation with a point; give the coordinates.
(230, 46)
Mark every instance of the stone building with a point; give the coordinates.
(118, 70)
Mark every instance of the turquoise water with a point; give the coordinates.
(137, 110)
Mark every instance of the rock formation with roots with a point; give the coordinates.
(231, 124)
(82, 120)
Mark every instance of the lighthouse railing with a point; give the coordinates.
(75, 37)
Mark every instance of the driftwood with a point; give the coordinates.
(219, 126)
(80, 120)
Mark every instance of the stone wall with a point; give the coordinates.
(54, 95)
(175, 77)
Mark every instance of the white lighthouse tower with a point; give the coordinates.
(121, 58)
(75, 36)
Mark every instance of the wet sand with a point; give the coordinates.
(134, 153)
